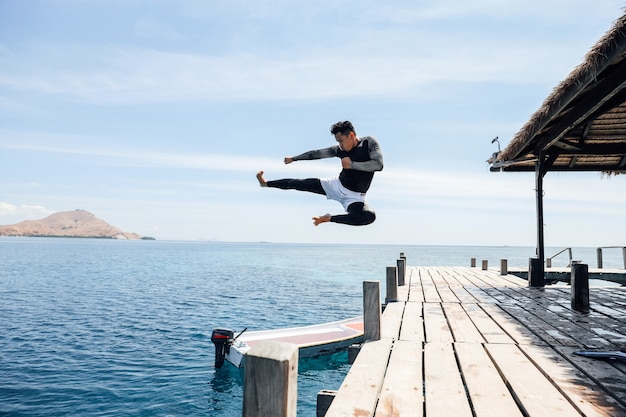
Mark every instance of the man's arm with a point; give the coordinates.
(376, 157)
(316, 154)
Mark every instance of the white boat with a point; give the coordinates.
(312, 340)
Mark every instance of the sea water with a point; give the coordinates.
(92, 327)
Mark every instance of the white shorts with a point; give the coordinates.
(335, 191)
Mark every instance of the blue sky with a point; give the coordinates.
(156, 115)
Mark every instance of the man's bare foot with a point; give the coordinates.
(317, 220)
(259, 176)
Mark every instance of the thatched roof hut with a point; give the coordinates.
(581, 126)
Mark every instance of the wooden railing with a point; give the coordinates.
(599, 254)
(549, 260)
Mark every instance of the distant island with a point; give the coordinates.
(77, 223)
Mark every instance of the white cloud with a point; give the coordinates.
(133, 75)
(7, 209)
(11, 213)
(385, 61)
(126, 157)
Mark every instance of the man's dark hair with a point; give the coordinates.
(343, 127)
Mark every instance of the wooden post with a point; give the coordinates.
(540, 172)
(580, 288)
(535, 273)
(504, 267)
(624, 256)
(599, 256)
(353, 352)
(271, 380)
(324, 400)
(485, 265)
(371, 310)
(401, 271)
(392, 285)
(548, 262)
(473, 262)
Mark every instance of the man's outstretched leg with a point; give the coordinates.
(359, 214)
(311, 185)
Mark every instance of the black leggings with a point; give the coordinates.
(359, 214)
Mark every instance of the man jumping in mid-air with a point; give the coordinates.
(360, 158)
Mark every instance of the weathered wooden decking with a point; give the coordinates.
(467, 342)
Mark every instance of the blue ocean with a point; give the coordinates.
(94, 327)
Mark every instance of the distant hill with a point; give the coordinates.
(77, 223)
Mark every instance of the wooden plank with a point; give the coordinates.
(463, 295)
(430, 290)
(459, 274)
(494, 278)
(488, 392)
(556, 303)
(577, 386)
(548, 333)
(359, 391)
(443, 288)
(534, 392)
(401, 393)
(445, 393)
(487, 327)
(403, 293)
(412, 322)
(569, 327)
(581, 329)
(462, 327)
(446, 293)
(479, 294)
(604, 373)
(513, 280)
(598, 305)
(444, 276)
(392, 319)
(435, 324)
(476, 277)
(516, 330)
(416, 292)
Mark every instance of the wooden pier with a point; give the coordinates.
(470, 342)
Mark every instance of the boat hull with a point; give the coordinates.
(311, 341)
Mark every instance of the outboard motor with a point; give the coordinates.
(222, 339)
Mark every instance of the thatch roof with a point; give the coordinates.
(581, 126)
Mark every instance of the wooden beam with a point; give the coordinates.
(592, 149)
(586, 131)
(619, 167)
(567, 146)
